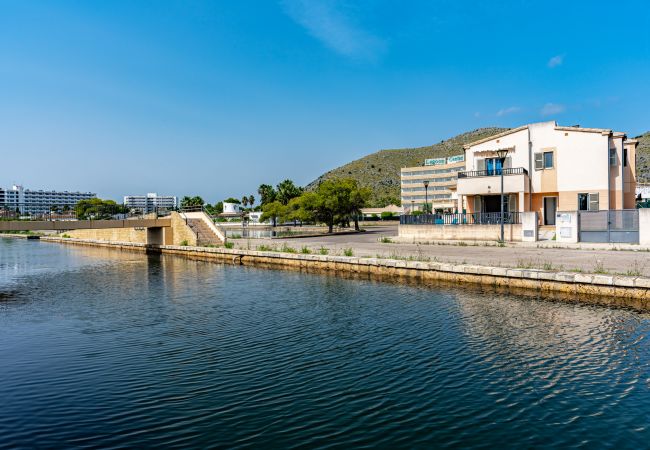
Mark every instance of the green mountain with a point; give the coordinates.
(380, 171)
(643, 158)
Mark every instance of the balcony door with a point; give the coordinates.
(494, 165)
(550, 208)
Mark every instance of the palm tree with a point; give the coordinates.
(251, 200)
(244, 201)
(286, 190)
(267, 193)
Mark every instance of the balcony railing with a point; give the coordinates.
(493, 172)
(461, 219)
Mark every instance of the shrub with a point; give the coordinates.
(287, 249)
(305, 250)
(348, 252)
(229, 244)
(265, 248)
(184, 243)
(235, 236)
(323, 251)
(66, 235)
(386, 240)
(599, 267)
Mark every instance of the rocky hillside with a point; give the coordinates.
(643, 158)
(380, 171)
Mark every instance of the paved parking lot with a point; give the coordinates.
(512, 255)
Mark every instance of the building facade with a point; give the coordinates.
(28, 201)
(548, 168)
(150, 202)
(441, 175)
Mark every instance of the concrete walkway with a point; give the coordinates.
(588, 258)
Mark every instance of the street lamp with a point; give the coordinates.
(426, 196)
(502, 157)
(412, 206)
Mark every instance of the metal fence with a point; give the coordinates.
(615, 226)
(462, 219)
(492, 172)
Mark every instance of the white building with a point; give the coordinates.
(28, 201)
(231, 209)
(548, 168)
(150, 202)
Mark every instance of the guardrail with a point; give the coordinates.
(50, 212)
(461, 219)
(493, 172)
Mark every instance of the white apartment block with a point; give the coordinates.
(549, 168)
(28, 201)
(150, 202)
(433, 183)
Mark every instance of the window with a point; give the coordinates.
(548, 160)
(543, 160)
(624, 157)
(612, 156)
(588, 202)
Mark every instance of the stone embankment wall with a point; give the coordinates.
(131, 235)
(181, 232)
(627, 291)
(177, 234)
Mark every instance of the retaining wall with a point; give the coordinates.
(460, 232)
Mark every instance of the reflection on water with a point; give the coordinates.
(104, 348)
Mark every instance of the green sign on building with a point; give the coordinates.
(441, 161)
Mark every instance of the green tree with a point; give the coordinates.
(330, 203)
(274, 211)
(359, 197)
(187, 201)
(286, 190)
(96, 208)
(232, 200)
(251, 200)
(244, 201)
(267, 193)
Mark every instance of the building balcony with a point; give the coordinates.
(486, 182)
(493, 172)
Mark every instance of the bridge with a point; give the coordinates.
(67, 225)
(184, 228)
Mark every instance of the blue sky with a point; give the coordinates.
(214, 98)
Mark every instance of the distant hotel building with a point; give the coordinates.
(441, 175)
(150, 202)
(34, 202)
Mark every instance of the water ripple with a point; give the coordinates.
(101, 349)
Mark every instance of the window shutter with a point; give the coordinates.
(594, 202)
(480, 164)
(508, 162)
(539, 161)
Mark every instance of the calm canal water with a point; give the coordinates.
(105, 349)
